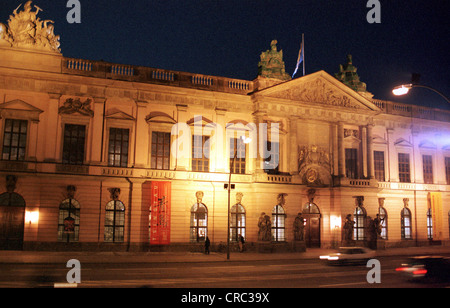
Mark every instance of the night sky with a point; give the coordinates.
(226, 37)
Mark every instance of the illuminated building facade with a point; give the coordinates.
(103, 156)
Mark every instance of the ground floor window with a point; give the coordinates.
(199, 222)
(69, 221)
(115, 221)
(429, 225)
(359, 219)
(278, 224)
(383, 217)
(406, 224)
(237, 222)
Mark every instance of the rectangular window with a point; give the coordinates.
(403, 168)
(351, 163)
(447, 170)
(200, 153)
(118, 147)
(427, 169)
(378, 162)
(237, 146)
(15, 139)
(160, 151)
(272, 157)
(74, 144)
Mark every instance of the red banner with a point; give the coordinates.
(160, 213)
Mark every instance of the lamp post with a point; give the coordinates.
(245, 140)
(404, 89)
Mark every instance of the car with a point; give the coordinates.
(349, 255)
(426, 268)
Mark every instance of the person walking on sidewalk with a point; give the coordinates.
(241, 243)
(207, 244)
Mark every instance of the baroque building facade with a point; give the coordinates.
(103, 156)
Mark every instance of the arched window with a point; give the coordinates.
(237, 222)
(359, 217)
(69, 221)
(383, 216)
(278, 224)
(199, 222)
(310, 208)
(114, 221)
(406, 224)
(429, 225)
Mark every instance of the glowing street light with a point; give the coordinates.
(404, 89)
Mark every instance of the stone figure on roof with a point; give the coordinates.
(26, 30)
(272, 64)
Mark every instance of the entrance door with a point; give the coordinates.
(312, 230)
(311, 215)
(12, 221)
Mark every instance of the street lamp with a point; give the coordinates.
(404, 89)
(245, 140)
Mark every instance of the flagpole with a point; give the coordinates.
(303, 45)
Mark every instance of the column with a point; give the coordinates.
(52, 120)
(98, 131)
(292, 146)
(219, 142)
(182, 143)
(392, 156)
(370, 165)
(341, 150)
(364, 150)
(141, 136)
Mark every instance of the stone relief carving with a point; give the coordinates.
(75, 105)
(26, 30)
(313, 164)
(320, 92)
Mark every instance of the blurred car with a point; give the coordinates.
(426, 267)
(349, 255)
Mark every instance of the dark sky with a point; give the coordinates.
(226, 37)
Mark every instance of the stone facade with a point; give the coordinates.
(105, 130)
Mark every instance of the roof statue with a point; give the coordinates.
(347, 75)
(26, 30)
(272, 64)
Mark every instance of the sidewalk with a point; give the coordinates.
(15, 257)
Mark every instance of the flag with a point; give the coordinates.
(301, 56)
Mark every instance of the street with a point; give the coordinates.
(305, 273)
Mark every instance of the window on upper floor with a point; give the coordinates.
(351, 163)
(74, 144)
(427, 161)
(160, 156)
(404, 172)
(237, 151)
(200, 153)
(447, 170)
(378, 162)
(272, 157)
(14, 139)
(118, 147)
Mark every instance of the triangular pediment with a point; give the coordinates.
(320, 89)
(18, 104)
(118, 115)
(427, 145)
(402, 142)
(19, 109)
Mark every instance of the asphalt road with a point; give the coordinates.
(246, 274)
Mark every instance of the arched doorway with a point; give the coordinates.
(12, 221)
(311, 215)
